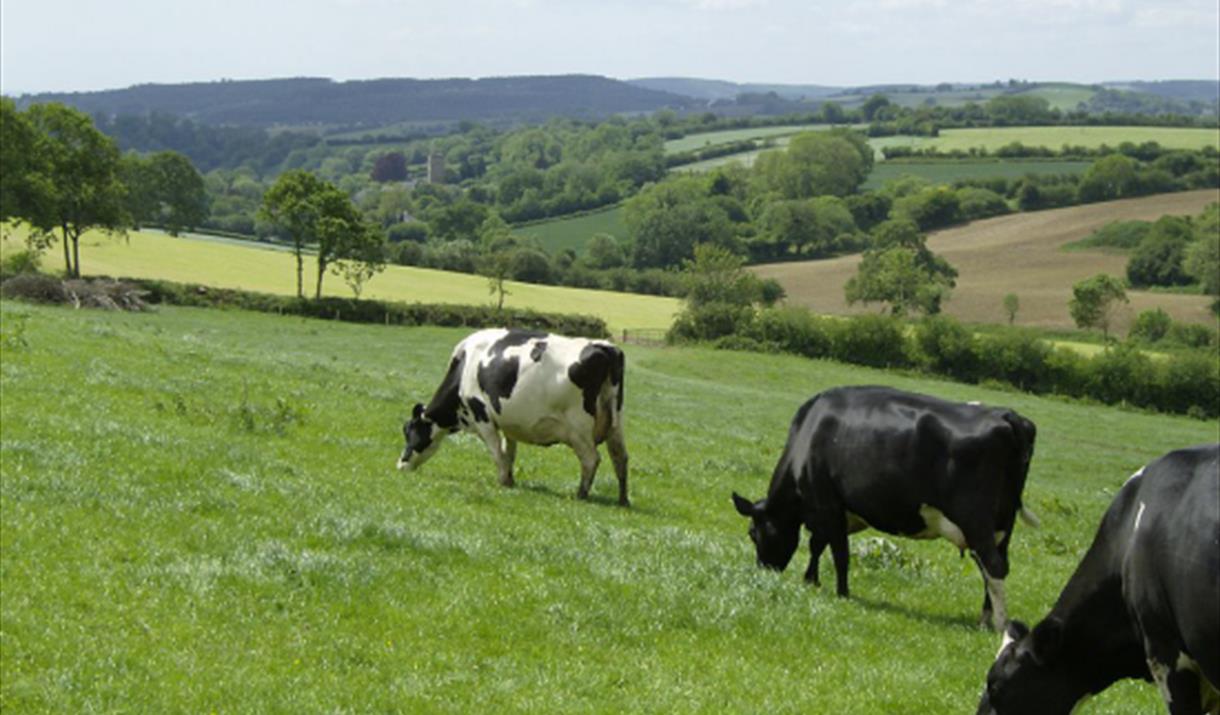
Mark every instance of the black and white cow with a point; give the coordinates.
(530, 387)
(1144, 602)
(901, 463)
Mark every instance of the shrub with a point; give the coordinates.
(946, 347)
(874, 340)
(710, 321)
(1192, 335)
(1157, 261)
(977, 203)
(1017, 356)
(1150, 326)
(1189, 383)
(18, 262)
(792, 330)
(1121, 374)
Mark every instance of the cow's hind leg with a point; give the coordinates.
(510, 458)
(994, 566)
(589, 459)
(618, 454)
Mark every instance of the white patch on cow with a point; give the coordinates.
(974, 403)
(1135, 476)
(1005, 641)
(1138, 516)
(939, 526)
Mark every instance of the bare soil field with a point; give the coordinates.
(1018, 254)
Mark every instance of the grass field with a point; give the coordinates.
(728, 136)
(201, 515)
(574, 233)
(993, 138)
(252, 267)
(946, 172)
(1018, 253)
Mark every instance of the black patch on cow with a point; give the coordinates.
(539, 349)
(478, 409)
(597, 364)
(443, 409)
(498, 375)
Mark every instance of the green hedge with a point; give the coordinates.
(1185, 382)
(370, 311)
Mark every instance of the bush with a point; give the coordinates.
(1192, 335)
(1189, 383)
(18, 262)
(1121, 374)
(710, 321)
(1150, 326)
(1157, 261)
(946, 347)
(977, 203)
(874, 340)
(1016, 356)
(792, 330)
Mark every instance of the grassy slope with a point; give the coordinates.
(1054, 137)
(200, 514)
(153, 255)
(574, 233)
(946, 172)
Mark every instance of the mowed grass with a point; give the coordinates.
(200, 514)
(946, 172)
(574, 233)
(253, 267)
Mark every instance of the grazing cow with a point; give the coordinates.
(530, 387)
(901, 463)
(1144, 602)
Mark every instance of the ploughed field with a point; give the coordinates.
(1019, 253)
(200, 513)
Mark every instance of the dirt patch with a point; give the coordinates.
(1018, 254)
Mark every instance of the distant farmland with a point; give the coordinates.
(993, 138)
(1018, 254)
(563, 233)
(728, 136)
(946, 172)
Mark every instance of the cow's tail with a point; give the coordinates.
(1029, 517)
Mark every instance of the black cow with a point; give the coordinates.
(901, 463)
(1144, 602)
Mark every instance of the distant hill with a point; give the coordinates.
(710, 90)
(320, 101)
(1206, 91)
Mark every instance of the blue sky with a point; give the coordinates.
(72, 45)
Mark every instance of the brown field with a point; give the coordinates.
(1018, 254)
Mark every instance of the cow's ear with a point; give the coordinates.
(1047, 637)
(745, 507)
(417, 411)
(1015, 631)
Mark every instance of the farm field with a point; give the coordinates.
(573, 233)
(728, 136)
(201, 514)
(993, 138)
(252, 267)
(946, 172)
(1019, 253)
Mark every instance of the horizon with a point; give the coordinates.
(863, 43)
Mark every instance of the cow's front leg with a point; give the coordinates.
(589, 459)
(817, 544)
(618, 454)
(502, 457)
(510, 458)
(995, 608)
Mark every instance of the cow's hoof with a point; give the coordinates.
(582, 494)
(624, 502)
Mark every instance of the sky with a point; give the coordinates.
(78, 45)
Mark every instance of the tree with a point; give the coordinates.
(602, 251)
(497, 266)
(666, 220)
(833, 162)
(21, 189)
(1202, 260)
(76, 178)
(1095, 301)
(164, 189)
(291, 207)
(362, 256)
(1111, 177)
(908, 280)
(1011, 305)
(720, 295)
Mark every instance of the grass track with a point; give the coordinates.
(200, 514)
(232, 265)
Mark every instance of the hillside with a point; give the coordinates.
(378, 102)
(715, 89)
(1019, 253)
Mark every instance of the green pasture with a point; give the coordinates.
(993, 138)
(946, 172)
(558, 235)
(1064, 97)
(728, 136)
(201, 514)
(253, 267)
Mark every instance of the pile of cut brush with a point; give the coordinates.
(104, 293)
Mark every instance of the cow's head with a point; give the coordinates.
(1028, 675)
(423, 438)
(775, 540)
